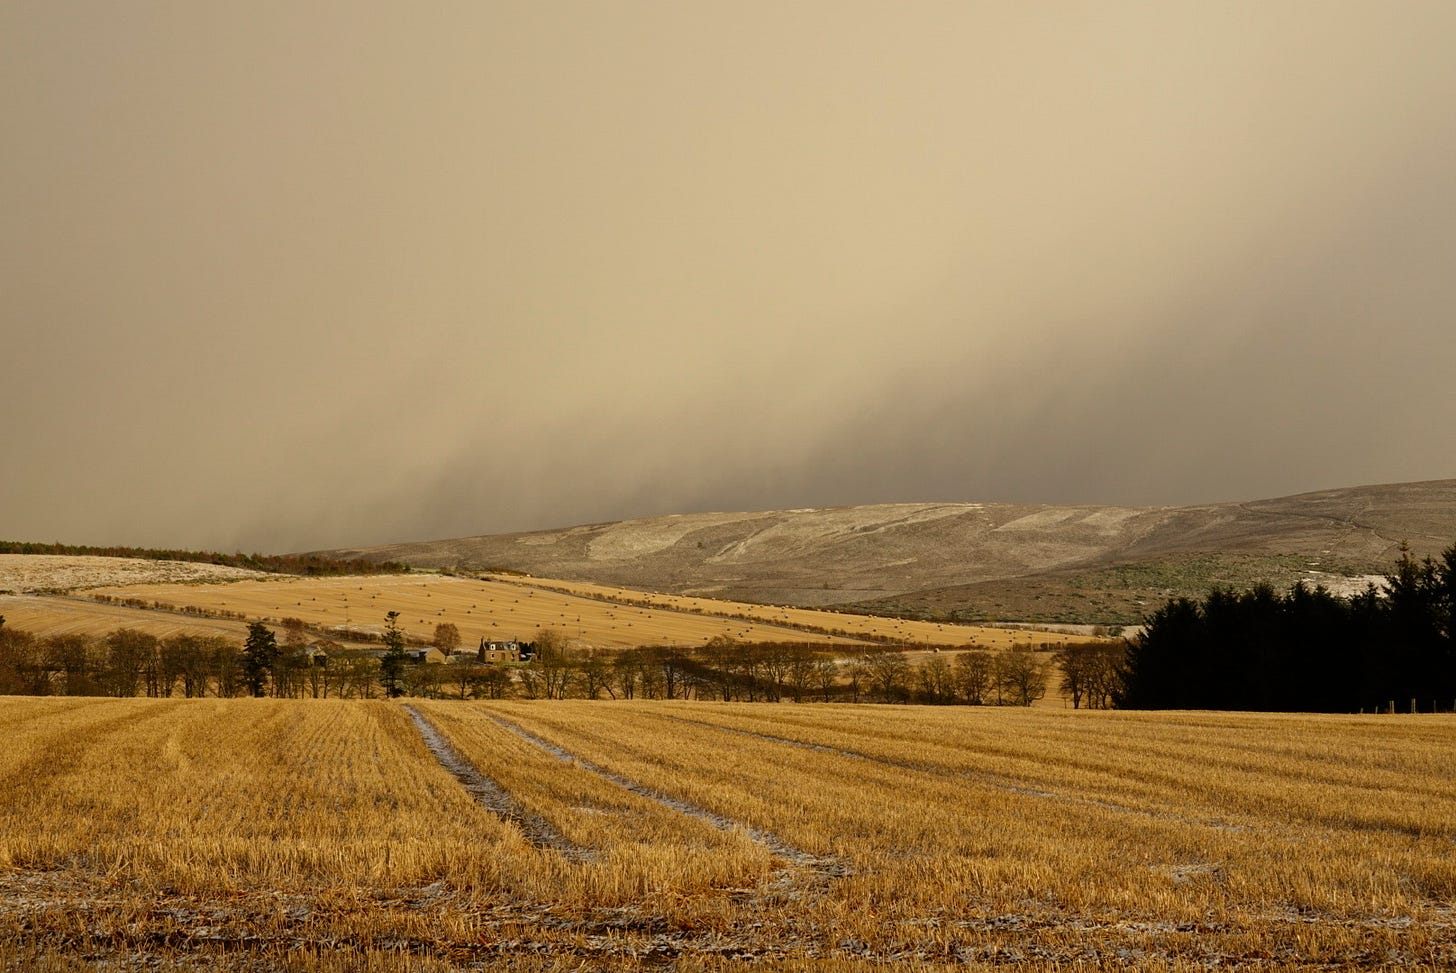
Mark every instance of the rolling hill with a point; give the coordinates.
(978, 561)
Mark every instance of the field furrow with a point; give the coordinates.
(330, 835)
(772, 842)
(491, 795)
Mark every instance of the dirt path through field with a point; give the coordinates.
(826, 867)
(491, 795)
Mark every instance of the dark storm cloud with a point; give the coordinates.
(293, 276)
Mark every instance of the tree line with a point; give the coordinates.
(730, 671)
(301, 564)
(128, 662)
(1306, 650)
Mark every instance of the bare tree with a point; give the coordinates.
(936, 682)
(22, 663)
(856, 671)
(826, 675)
(890, 674)
(594, 671)
(1104, 676)
(225, 660)
(776, 660)
(493, 682)
(973, 676)
(1074, 661)
(721, 661)
(627, 673)
(553, 669)
(800, 674)
(187, 659)
(130, 655)
(1021, 677)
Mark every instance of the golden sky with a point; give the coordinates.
(304, 274)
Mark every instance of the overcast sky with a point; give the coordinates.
(290, 275)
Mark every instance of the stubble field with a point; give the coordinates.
(323, 835)
(502, 608)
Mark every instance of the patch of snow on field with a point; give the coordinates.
(28, 573)
(1342, 586)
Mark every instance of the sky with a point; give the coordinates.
(282, 276)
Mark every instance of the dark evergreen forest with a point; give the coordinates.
(1306, 650)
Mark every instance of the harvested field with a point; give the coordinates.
(48, 615)
(266, 834)
(479, 609)
(508, 608)
(27, 573)
(859, 626)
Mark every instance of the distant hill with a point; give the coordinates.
(974, 561)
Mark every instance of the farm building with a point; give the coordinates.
(507, 651)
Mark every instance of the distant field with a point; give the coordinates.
(871, 626)
(45, 616)
(592, 615)
(479, 609)
(25, 573)
(319, 835)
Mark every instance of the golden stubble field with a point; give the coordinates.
(502, 608)
(429, 835)
(52, 615)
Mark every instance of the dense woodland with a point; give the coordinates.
(1307, 650)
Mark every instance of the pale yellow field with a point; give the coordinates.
(591, 615)
(897, 629)
(479, 609)
(501, 607)
(233, 834)
(45, 616)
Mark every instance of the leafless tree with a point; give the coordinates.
(889, 673)
(826, 675)
(936, 680)
(552, 671)
(802, 660)
(493, 682)
(1021, 677)
(595, 673)
(973, 676)
(130, 656)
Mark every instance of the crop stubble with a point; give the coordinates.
(522, 609)
(252, 831)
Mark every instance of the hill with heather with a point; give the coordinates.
(979, 561)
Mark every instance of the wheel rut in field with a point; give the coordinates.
(827, 867)
(492, 796)
(984, 777)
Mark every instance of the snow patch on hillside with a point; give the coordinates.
(29, 573)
